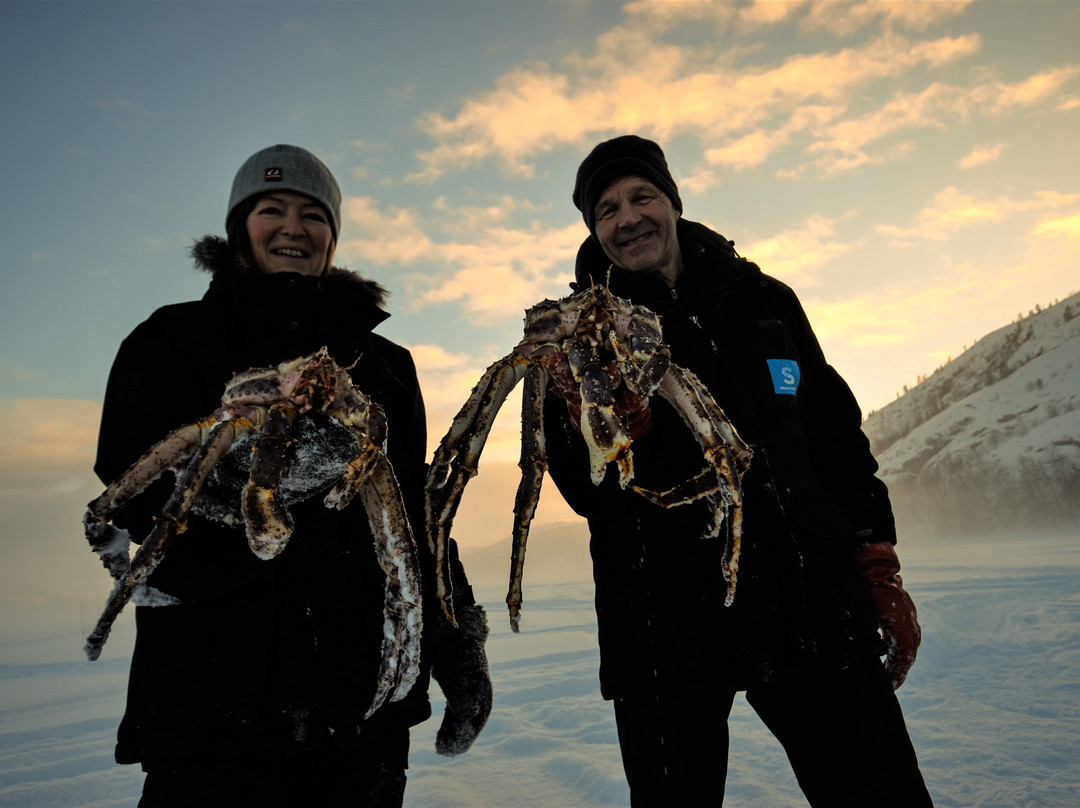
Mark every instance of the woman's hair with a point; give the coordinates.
(240, 243)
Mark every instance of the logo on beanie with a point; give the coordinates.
(272, 175)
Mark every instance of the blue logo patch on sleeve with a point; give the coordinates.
(785, 376)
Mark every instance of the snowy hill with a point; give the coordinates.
(992, 439)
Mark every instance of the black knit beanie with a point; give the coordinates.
(621, 157)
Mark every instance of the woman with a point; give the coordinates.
(251, 688)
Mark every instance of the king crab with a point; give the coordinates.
(267, 406)
(606, 357)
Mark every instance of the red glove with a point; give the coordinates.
(632, 408)
(899, 620)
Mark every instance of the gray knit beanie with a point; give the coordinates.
(287, 168)
(621, 157)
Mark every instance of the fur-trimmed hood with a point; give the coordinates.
(211, 254)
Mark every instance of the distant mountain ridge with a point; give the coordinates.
(555, 553)
(992, 439)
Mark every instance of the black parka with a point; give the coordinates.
(810, 493)
(258, 657)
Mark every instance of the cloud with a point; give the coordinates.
(1067, 227)
(797, 256)
(981, 155)
(383, 238)
(939, 106)
(845, 19)
(914, 317)
(669, 89)
(743, 112)
(17, 373)
(54, 443)
(1040, 87)
(119, 105)
(912, 320)
(840, 19)
(953, 209)
(466, 254)
(501, 270)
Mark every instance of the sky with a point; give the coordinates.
(910, 169)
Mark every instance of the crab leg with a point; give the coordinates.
(702, 415)
(603, 430)
(533, 463)
(184, 442)
(402, 609)
(369, 443)
(356, 472)
(728, 456)
(268, 523)
(455, 461)
(172, 521)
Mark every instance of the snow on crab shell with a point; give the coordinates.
(316, 460)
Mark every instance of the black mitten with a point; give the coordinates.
(460, 666)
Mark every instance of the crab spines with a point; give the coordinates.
(695, 404)
(270, 402)
(363, 417)
(171, 522)
(395, 550)
(344, 491)
(165, 454)
(268, 523)
(456, 461)
(606, 357)
(720, 482)
(603, 429)
(533, 464)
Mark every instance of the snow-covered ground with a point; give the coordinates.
(993, 703)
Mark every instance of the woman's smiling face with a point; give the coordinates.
(289, 232)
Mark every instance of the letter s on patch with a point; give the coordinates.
(785, 376)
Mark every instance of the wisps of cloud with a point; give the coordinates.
(914, 315)
(845, 144)
(816, 113)
(797, 256)
(846, 19)
(953, 209)
(896, 314)
(705, 72)
(469, 255)
(982, 155)
(53, 446)
(1067, 227)
(119, 105)
(743, 111)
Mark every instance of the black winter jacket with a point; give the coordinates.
(258, 657)
(810, 493)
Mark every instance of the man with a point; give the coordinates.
(817, 583)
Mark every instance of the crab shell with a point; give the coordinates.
(594, 347)
(265, 405)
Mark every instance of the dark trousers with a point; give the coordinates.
(843, 734)
(367, 775)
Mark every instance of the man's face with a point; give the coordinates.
(635, 224)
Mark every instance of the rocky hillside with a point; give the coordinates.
(992, 439)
